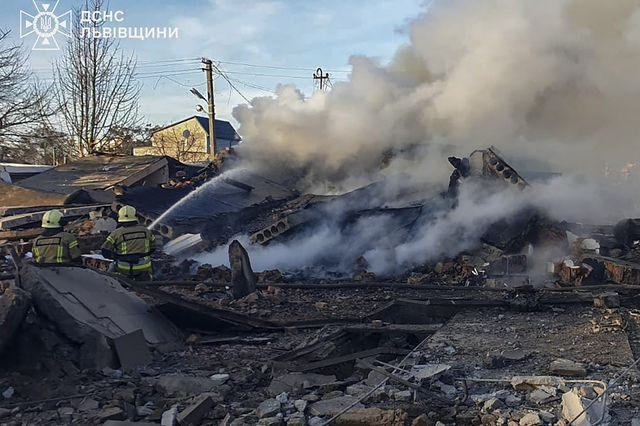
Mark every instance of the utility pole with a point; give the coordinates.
(318, 75)
(208, 68)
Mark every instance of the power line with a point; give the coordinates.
(277, 67)
(230, 83)
(170, 60)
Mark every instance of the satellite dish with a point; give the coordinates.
(186, 134)
(199, 108)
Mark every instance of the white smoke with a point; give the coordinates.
(551, 80)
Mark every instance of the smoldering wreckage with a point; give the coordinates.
(482, 332)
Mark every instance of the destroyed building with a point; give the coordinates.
(482, 335)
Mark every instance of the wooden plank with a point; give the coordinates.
(7, 223)
(26, 234)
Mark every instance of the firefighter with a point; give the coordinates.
(54, 246)
(130, 246)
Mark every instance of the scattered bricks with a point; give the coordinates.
(572, 274)
(622, 272)
(607, 300)
(565, 367)
(193, 414)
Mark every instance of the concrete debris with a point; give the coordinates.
(268, 408)
(436, 343)
(330, 407)
(185, 385)
(573, 405)
(530, 419)
(568, 368)
(14, 303)
(193, 414)
(243, 280)
(91, 309)
(609, 300)
(185, 245)
(170, 417)
(372, 417)
(293, 382)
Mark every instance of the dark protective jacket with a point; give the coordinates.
(55, 247)
(130, 246)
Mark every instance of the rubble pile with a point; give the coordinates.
(535, 323)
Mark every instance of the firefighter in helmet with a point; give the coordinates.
(130, 246)
(55, 246)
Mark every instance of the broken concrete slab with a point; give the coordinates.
(91, 308)
(14, 303)
(533, 382)
(180, 385)
(127, 423)
(429, 371)
(132, 350)
(296, 381)
(565, 367)
(268, 408)
(184, 245)
(243, 280)
(193, 414)
(573, 405)
(330, 407)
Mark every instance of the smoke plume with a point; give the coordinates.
(550, 81)
(554, 80)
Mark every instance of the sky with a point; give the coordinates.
(295, 35)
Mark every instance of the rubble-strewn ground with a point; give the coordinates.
(242, 376)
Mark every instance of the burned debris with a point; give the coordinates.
(533, 321)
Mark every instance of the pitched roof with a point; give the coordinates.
(223, 129)
(92, 172)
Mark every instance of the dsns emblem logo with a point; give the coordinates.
(45, 24)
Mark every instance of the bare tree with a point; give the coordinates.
(24, 104)
(182, 147)
(95, 86)
(122, 140)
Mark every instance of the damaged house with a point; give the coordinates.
(340, 341)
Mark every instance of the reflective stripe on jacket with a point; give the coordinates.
(131, 247)
(144, 264)
(60, 248)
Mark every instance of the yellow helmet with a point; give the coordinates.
(127, 214)
(51, 219)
